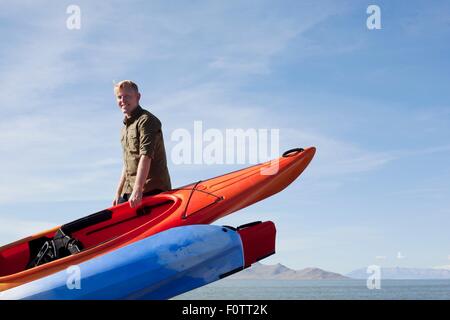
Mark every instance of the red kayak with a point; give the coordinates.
(198, 203)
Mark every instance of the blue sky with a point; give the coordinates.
(375, 103)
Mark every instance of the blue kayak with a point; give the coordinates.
(159, 267)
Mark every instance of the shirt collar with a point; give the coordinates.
(134, 115)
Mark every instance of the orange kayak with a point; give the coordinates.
(202, 202)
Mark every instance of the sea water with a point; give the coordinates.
(231, 289)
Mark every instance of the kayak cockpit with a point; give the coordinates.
(81, 235)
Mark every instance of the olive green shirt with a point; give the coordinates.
(142, 135)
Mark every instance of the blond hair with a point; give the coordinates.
(126, 84)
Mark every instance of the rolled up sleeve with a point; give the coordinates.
(149, 132)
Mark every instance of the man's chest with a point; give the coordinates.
(130, 138)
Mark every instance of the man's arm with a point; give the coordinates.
(119, 188)
(142, 174)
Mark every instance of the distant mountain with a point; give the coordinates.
(281, 272)
(403, 273)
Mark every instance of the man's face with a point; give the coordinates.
(127, 100)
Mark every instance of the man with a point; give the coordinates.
(145, 169)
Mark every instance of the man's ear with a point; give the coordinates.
(139, 96)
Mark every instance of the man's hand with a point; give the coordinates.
(116, 200)
(142, 173)
(135, 198)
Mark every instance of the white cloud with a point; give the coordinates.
(336, 157)
(446, 267)
(58, 157)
